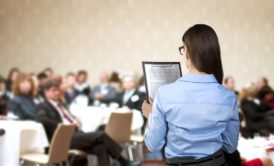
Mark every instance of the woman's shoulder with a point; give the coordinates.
(167, 88)
(225, 95)
(227, 91)
(216, 93)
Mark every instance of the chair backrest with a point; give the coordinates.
(119, 126)
(60, 143)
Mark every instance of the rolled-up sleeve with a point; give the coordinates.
(231, 134)
(155, 135)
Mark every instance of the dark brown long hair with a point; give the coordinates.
(203, 49)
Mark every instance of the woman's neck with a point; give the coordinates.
(193, 70)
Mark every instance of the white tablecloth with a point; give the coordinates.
(20, 137)
(92, 117)
(256, 147)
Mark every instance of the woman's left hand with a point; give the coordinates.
(147, 107)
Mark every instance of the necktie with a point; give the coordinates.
(66, 116)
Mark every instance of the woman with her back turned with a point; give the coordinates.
(195, 118)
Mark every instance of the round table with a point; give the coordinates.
(20, 137)
(257, 147)
(93, 117)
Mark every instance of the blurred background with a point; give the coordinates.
(96, 35)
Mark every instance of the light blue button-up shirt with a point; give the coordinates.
(194, 116)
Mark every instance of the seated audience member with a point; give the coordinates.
(105, 92)
(254, 110)
(131, 97)
(3, 97)
(265, 94)
(49, 72)
(58, 78)
(37, 98)
(63, 89)
(52, 112)
(142, 87)
(81, 85)
(261, 82)
(234, 159)
(70, 93)
(229, 83)
(42, 79)
(115, 81)
(22, 104)
(13, 74)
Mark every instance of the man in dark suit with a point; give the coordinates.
(52, 112)
(131, 97)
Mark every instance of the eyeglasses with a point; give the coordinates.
(180, 50)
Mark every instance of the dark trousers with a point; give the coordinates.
(216, 159)
(98, 143)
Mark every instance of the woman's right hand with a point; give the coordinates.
(147, 107)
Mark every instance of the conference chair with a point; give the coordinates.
(58, 150)
(79, 153)
(119, 129)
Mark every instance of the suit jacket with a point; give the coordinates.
(83, 90)
(109, 96)
(3, 104)
(254, 115)
(23, 107)
(48, 115)
(134, 102)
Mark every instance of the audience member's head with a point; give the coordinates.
(114, 77)
(49, 72)
(70, 79)
(52, 90)
(104, 78)
(42, 78)
(81, 77)
(229, 82)
(265, 94)
(24, 86)
(58, 78)
(13, 74)
(261, 82)
(129, 83)
(248, 92)
(2, 85)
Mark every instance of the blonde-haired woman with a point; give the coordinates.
(22, 104)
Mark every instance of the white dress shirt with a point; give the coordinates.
(60, 112)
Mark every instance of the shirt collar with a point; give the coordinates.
(199, 78)
(54, 103)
